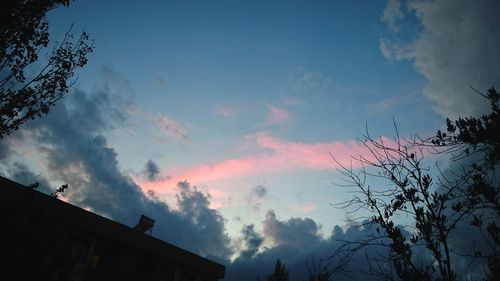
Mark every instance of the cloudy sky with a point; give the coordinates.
(217, 118)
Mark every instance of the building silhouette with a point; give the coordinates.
(44, 238)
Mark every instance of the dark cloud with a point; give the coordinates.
(259, 191)
(20, 173)
(4, 149)
(256, 195)
(297, 242)
(252, 241)
(296, 231)
(151, 170)
(208, 236)
(73, 143)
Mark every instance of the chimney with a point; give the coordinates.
(145, 224)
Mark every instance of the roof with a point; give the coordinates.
(85, 220)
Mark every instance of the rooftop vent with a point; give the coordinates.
(145, 224)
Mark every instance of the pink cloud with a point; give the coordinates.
(276, 155)
(307, 208)
(171, 127)
(277, 115)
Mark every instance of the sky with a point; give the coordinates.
(219, 119)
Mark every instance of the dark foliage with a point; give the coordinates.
(23, 35)
(417, 214)
(280, 272)
(474, 135)
(320, 271)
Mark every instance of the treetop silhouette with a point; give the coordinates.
(23, 36)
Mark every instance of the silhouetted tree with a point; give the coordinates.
(59, 191)
(321, 271)
(23, 35)
(416, 213)
(280, 272)
(471, 136)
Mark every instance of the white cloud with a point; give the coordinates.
(277, 115)
(306, 80)
(393, 49)
(458, 47)
(392, 13)
(226, 110)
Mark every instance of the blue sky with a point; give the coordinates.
(246, 99)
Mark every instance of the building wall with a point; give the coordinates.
(38, 246)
